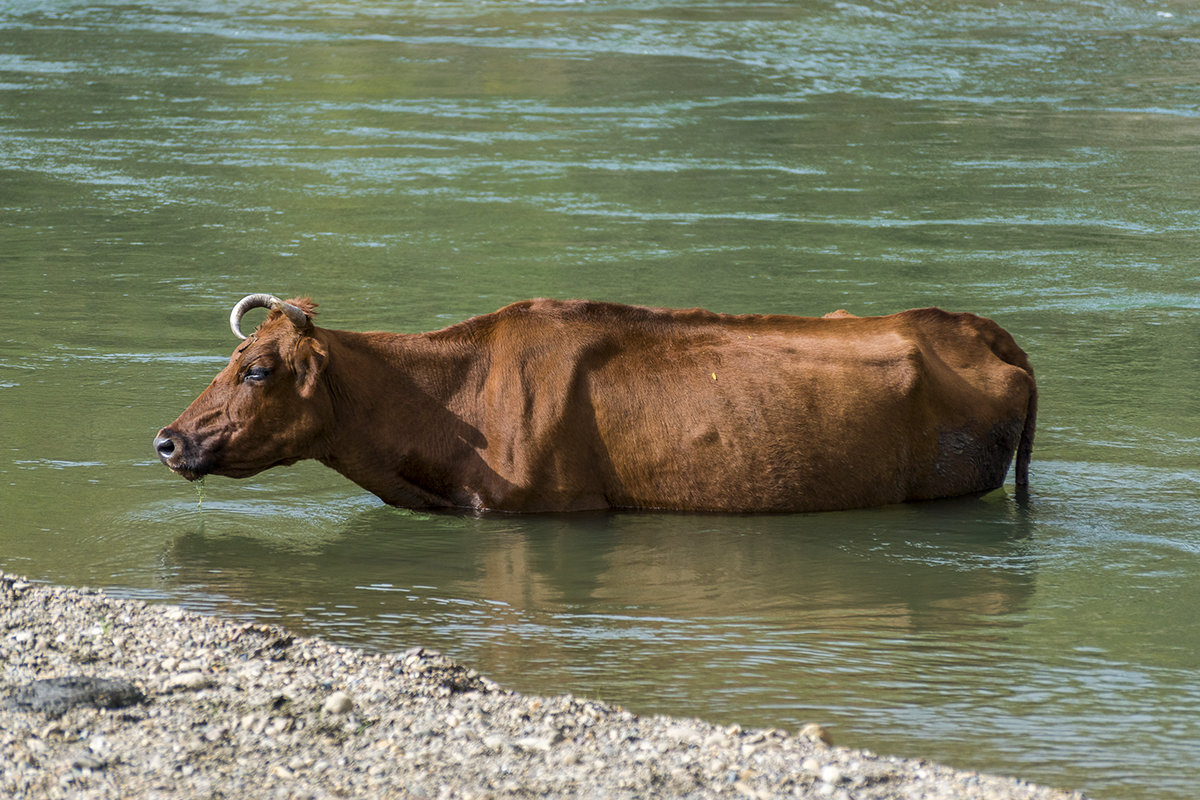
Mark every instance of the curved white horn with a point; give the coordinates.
(294, 313)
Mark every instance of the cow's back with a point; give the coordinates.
(599, 405)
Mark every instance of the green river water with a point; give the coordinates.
(411, 164)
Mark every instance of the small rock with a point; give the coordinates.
(255, 723)
(83, 759)
(816, 733)
(532, 744)
(338, 703)
(189, 681)
(215, 733)
(100, 745)
(831, 774)
(683, 733)
(749, 791)
(279, 725)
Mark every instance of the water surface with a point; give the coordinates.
(411, 164)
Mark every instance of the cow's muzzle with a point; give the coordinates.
(174, 451)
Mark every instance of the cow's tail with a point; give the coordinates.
(1007, 349)
(1025, 446)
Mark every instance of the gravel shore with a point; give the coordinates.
(109, 698)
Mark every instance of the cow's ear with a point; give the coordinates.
(311, 357)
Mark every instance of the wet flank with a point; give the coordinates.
(108, 698)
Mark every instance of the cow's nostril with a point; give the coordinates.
(165, 446)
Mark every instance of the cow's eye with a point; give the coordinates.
(256, 374)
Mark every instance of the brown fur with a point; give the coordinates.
(550, 405)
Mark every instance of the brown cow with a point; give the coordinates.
(550, 405)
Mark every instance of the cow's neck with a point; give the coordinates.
(403, 410)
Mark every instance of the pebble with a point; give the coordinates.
(831, 773)
(816, 733)
(85, 760)
(251, 710)
(533, 744)
(338, 703)
(190, 681)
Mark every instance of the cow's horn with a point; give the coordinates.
(294, 313)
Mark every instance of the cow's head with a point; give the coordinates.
(267, 408)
